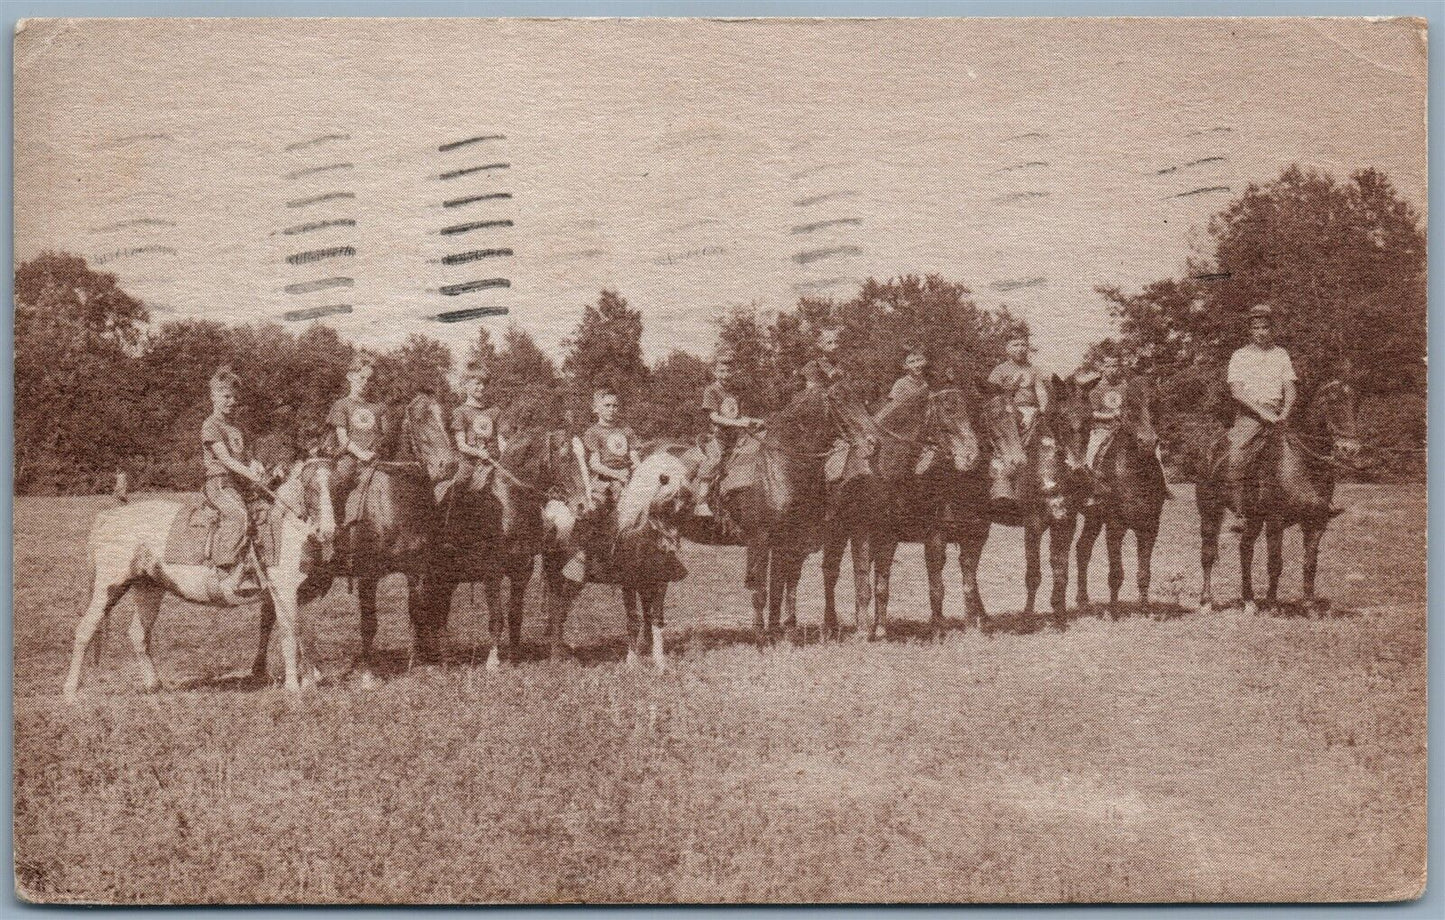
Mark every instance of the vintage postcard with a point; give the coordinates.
(669, 461)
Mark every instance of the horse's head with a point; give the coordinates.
(951, 429)
(660, 488)
(849, 418)
(1070, 417)
(1335, 410)
(424, 434)
(1054, 475)
(307, 491)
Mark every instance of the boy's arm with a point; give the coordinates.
(223, 454)
(1236, 390)
(1041, 390)
(464, 448)
(1290, 392)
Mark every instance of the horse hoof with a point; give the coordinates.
(494, 660)
(1251, 609)
(368, 680)
(661, 665)
(72, 695)
(631, 660)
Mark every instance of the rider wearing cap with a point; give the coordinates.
(728, 423)
(356, 422)
(1024, 395)
(474, 428)
(1262, 383)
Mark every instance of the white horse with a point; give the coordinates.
(127, 549)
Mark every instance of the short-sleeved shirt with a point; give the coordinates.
(820, 372)
(611, 443)
(1107, 400)
(716, 400)
(477, 425)
(216, 428)
(906, 386)
(1017, 382)
(361, 419)
(1262, 373)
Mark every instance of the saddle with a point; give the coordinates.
(192, 535)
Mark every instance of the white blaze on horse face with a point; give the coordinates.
(559, 520)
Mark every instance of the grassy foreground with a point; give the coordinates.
(1218, 757)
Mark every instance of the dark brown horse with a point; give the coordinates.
(1129, 494)
(903, 503)
(391, 533)
(1293, 483)
(782, 515)
(634, 546)
(498, 533)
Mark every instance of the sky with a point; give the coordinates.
(694, 166)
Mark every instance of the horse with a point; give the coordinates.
(906, 503)
(782, 514)
(127, 552)
(392, 531)
(1292, 483)
(641, 533)
(499, 533)
(1129, 495)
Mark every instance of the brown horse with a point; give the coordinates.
(782, 515)
(498, 533)
(639, 556)
(391, 532)
(1128, 495)
(903, 503)
(1293, 482)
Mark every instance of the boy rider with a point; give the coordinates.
(611, 448)
(474, 426)
(356, 422)
(1023, 394)
(230, 474)
(728, 424)
(1261, 380)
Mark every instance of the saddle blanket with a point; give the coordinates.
(193, 531)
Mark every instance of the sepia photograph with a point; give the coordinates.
(671, 461)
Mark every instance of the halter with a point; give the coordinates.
(772, 442)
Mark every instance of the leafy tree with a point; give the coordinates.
(606, 349)
(420, 365)
(672, 406)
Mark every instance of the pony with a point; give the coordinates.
(392, 530)
(127, 551)
(641, 536)
(1129, 495)
(1293, 483)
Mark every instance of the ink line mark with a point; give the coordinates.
(468, 170)
(813, 255)
(136, 222)
(138, 250)
(456, 316)
(474, 225)
(317, 199)
(1019, 196)
(1169, 169)
(318, 140)
(313, 170)
(319, 225)
(481, 284)
(453, 145)
(489, 196)
(316, 255)
(819, 225)
(316, 312)
(819, 199)
(1197, 191)
(1013, 284)
(459, 258)
(1031, 164)
(320, 284)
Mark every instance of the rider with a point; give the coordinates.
(823, 371)
(913, 382)
(230, 476)
(1262, 383)
(728, 423)
(1024, 395)
(355, 420)
(611, 448)
(1107, 400)
(474, 426)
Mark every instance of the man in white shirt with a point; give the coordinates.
(1262, 382)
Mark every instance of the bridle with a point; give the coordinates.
(772, 442)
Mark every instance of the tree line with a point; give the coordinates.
(99, 388)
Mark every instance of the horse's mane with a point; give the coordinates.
(658, 480)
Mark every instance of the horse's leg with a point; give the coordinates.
(758, 579)
(1144, 549)
(1061, 541)
(634, 624)
(1274, 547)
(283, 596)
(1114, 544)
(935, 555)
(832, 563)
(652, 609)
(147, 606)
(1313, 533)
(263, 640)
(1032, 572)
(496, 619)
(1211, 515)
(103, 597)
(559, 593)
(517, 580)
(863, 560)
(1093, 523)
(970, 550)
(1247, 537)
(883, 553)
(777, 586)
(366, 599)
(791, 577)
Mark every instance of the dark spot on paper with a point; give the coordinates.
(456, 316)
(320, 284)
(474, 225)
(467, 171)
(489, 196)
(318, 140)
(316, 255)
(453, 145)
(312, 170)
(813, 255)
(319, 225)
(1197, 191)
(459, 258)
(316, 312)
(481, 284)
(317, 199)
(818, 199)
(819, 225)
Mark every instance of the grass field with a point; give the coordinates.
(1197, 757)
